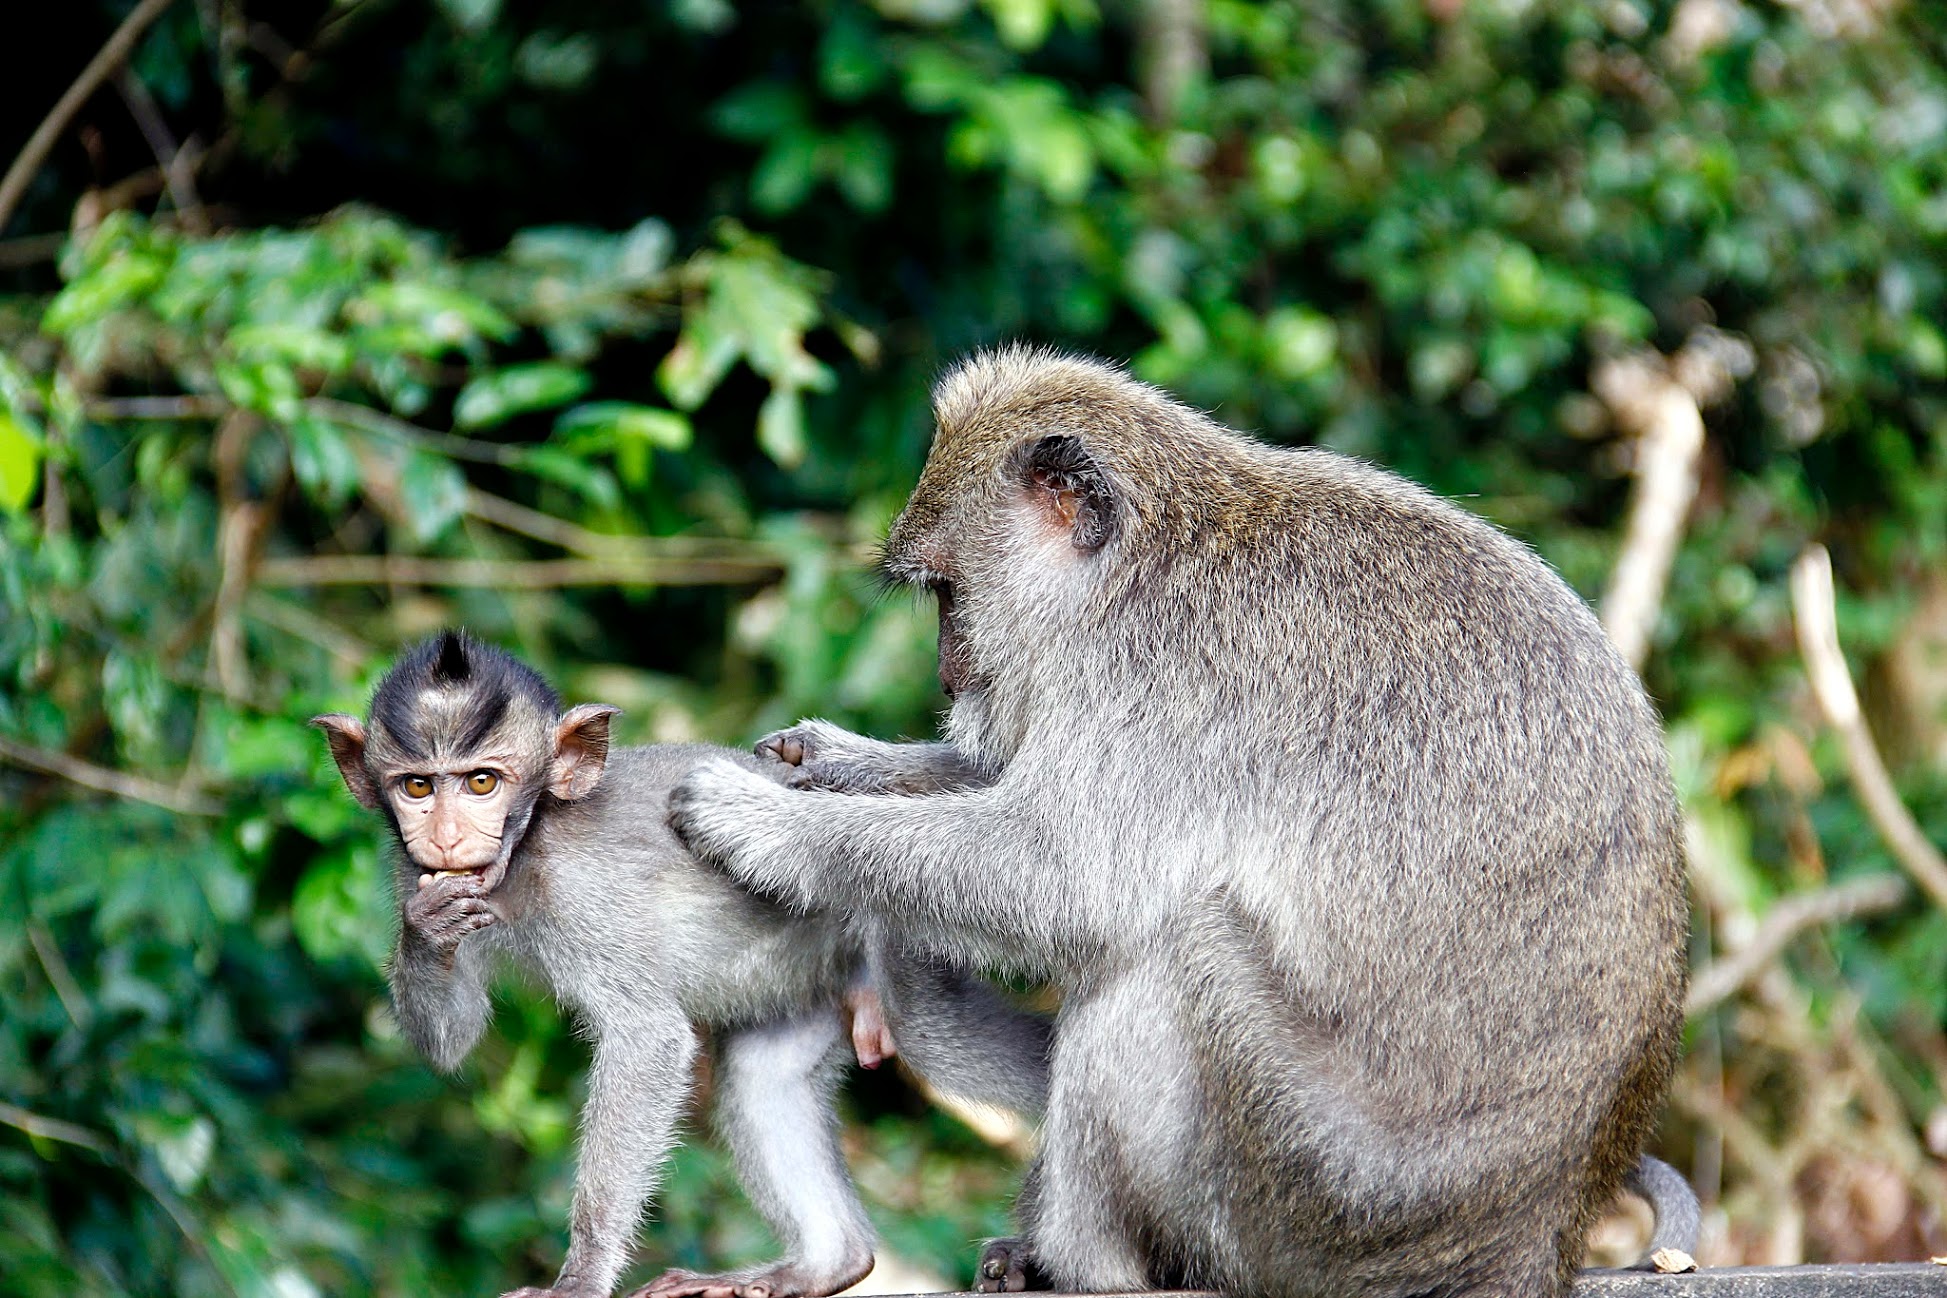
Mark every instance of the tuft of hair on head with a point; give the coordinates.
(453, 662)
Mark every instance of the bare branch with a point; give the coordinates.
(1720, 980)
(99, 778)
(303, 624)
(517, 574)
(1661, 402)
(1815, 608)
(536, 525)
(187, 407)
(110, 57)
(241, 526)
(59, 976)
(1173, 53)
(45, 1128)
(1670, 430)
(177, 162)
(31, 250)
(400, 430)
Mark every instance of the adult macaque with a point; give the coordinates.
(522, 834)
(1349, 839)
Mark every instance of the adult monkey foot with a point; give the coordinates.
(1007, 1266)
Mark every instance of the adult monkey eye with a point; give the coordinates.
(483, 782)
(416, 786)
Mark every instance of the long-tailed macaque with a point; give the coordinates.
(522, 834)
(1349, 839)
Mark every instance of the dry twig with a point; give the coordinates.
(1815, 610)
(1670, 430)
(517, 574)
(46, 1128)
(1720, 980)
(102, 780)
(110, 57)
(177, 162)
(1662, 404)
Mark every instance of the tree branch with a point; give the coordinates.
(1815, 609)
(102, 780)
(517, 574)
(177, 162)
(111, 56)
(1670, 430)
(46, 1128)
(1662, 403)
(1721, 979)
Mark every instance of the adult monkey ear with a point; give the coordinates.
(1071, 491)
(580, 750)
(347, 739)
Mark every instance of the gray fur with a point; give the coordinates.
(1347, 835)
(646, 947)
(1679, 1218)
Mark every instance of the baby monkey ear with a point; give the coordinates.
(1071, 490)
(580, 750)
(347, 739)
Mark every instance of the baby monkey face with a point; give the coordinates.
(452, 821)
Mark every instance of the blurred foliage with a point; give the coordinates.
(608, 334)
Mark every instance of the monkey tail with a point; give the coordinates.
(1679, 1219)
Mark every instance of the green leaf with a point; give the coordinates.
(1022, 24)
(698, 361)
(255, 747)
(340, 908)
(784, 175)
(113, 285)
(433, 491)
(20, 462)
(780, 427)
(665, 430)
(498, 396)
(323, 460)
(565, 469)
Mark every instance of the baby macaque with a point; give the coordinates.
(522, 834)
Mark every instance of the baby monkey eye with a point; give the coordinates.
(483, 781)
(416, 786)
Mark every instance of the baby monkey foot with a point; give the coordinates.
(1007, 1266)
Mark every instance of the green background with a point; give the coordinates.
(607, 331)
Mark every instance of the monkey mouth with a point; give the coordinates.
(484, 872)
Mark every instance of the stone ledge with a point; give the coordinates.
(1848, 1280)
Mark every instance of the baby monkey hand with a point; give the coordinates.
(446, 908)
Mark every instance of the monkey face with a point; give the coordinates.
(453, 821)
(1007, 524)
(464, 741)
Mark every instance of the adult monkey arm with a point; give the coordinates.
(975, 861)
(831, 758)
